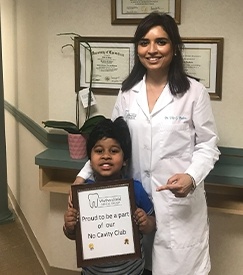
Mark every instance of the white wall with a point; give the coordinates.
(39, 81)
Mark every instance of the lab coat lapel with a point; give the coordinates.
(164, 99)
(142, 97)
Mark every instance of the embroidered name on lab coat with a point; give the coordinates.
(131, 116)
(175, 117)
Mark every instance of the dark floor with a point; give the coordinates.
(16, 254)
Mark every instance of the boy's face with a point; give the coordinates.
(107, 159)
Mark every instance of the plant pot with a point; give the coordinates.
(77, 146)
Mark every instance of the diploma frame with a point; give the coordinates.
(105, 200)
(119, 18)
(213, 47)
(114, 43)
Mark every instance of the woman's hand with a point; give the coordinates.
(79, 180)
(179, 184)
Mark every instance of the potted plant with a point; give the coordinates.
(76, 136)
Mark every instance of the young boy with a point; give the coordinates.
(109, 149)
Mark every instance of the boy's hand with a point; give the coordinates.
(70, 219)
(140, 218)
(145, 223)
(78, 180)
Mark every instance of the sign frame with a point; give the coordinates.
(124, 199)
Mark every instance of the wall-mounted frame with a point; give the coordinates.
(106, 230)
(203, 59)
(113, 59)
(130, 12)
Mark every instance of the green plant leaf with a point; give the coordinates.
(65, 125)
(72, 128)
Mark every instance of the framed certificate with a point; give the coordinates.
(203, 59)
(129, 12)
(109, 60)
(106, 230)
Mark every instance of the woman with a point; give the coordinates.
(174, 146)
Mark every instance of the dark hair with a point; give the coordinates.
(117, 130)
(177, 78)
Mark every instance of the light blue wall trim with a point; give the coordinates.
(231, 155)
(49, 140)
(27, 122)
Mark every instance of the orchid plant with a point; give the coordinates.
(89, 122)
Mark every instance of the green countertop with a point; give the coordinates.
(59, 159)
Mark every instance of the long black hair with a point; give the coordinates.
(177, 78)
(117, 130)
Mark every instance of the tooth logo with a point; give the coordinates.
(93, 200)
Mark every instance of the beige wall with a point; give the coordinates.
(39, 81)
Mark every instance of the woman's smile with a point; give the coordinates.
(154, 59)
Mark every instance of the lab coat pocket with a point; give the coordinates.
(188, 223)
(175, 140)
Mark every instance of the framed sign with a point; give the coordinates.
(129, 12)
(104, 61)
(106, 230)
(203, 59)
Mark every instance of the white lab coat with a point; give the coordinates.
(178, 136)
